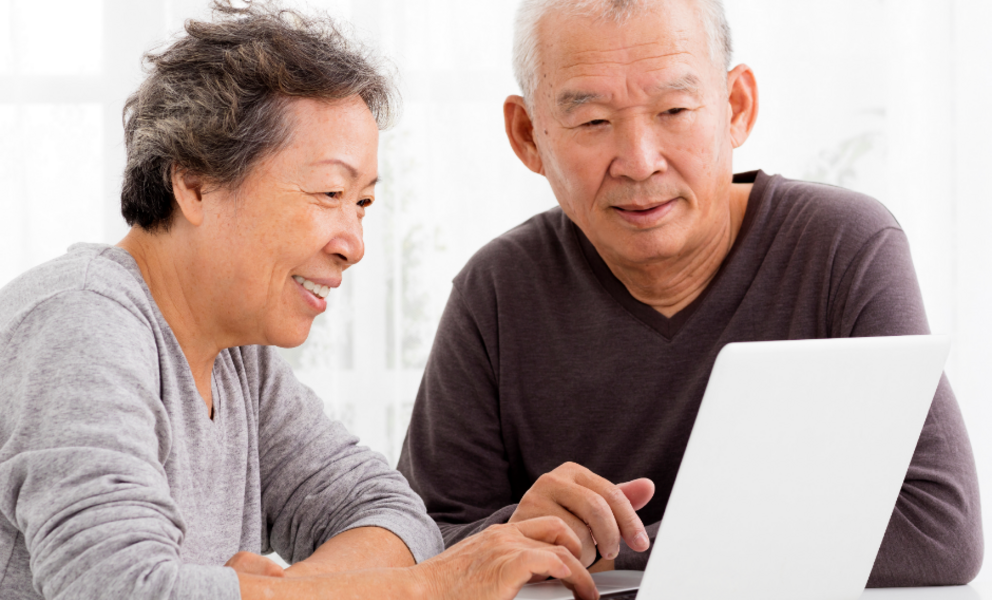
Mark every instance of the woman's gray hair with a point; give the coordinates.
(214, 102)
(530, 13)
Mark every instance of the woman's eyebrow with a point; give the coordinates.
(352, 171)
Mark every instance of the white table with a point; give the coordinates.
(977, 590)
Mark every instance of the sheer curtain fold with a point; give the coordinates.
(882, 96)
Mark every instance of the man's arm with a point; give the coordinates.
(454, 455)
(935, 534)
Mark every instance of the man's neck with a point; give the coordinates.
(671, 284)
(165, 276)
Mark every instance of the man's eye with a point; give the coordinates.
(365, 202)
(334, 195)
(595, 123)
(675, 111)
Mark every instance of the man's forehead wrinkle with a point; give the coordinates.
(577, 64)
(624, 48)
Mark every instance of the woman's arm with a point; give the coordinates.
(317, 483)
(355, 549)
(492, 565)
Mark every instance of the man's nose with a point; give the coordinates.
(346, 244)
(638, 153)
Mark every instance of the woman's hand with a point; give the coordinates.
(491, 565)
(495, 563)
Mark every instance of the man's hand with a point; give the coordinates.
(495, 563)
(599, 512)
(254, 564)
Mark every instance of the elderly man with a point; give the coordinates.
(575, 349)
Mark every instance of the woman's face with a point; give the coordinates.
(272, 249)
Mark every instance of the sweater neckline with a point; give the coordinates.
(668, 327)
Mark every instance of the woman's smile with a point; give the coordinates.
(316, 289)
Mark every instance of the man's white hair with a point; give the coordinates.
(530, 13)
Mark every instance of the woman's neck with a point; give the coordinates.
(160, 259)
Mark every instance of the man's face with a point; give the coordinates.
(632, 126)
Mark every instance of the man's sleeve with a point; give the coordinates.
(318, 483)
(453, 454)
(83, 436)
(935, 534)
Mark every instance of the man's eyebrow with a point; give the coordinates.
(569, 100)
(686, 83)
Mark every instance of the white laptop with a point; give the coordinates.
(791, 473)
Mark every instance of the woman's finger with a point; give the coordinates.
(553, 530)
(579, 579)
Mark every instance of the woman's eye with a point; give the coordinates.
(334, 195)
(365, 202)
(675, 111)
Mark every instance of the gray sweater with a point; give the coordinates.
(543, 356)
(115, 483)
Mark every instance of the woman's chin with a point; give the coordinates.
(289, 335)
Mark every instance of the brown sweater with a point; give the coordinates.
(542, 357)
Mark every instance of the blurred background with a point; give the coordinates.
(887, 97)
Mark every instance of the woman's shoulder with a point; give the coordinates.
(92, 286)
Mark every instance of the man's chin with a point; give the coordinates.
(643, 253)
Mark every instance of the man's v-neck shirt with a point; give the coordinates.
(543, 357)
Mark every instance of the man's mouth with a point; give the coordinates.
(633, 208)
(316, 289)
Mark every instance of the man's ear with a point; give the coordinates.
(743, 89)
(187, 188)
(520, 131)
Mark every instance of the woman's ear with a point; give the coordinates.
(743, 96)
(187, 188)
(520, 131)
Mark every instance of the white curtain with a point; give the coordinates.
(888, 97)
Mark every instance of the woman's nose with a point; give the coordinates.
(346, 243)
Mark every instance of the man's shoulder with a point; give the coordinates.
(822, 209)
(539, 245)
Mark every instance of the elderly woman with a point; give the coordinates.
(149, 434)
